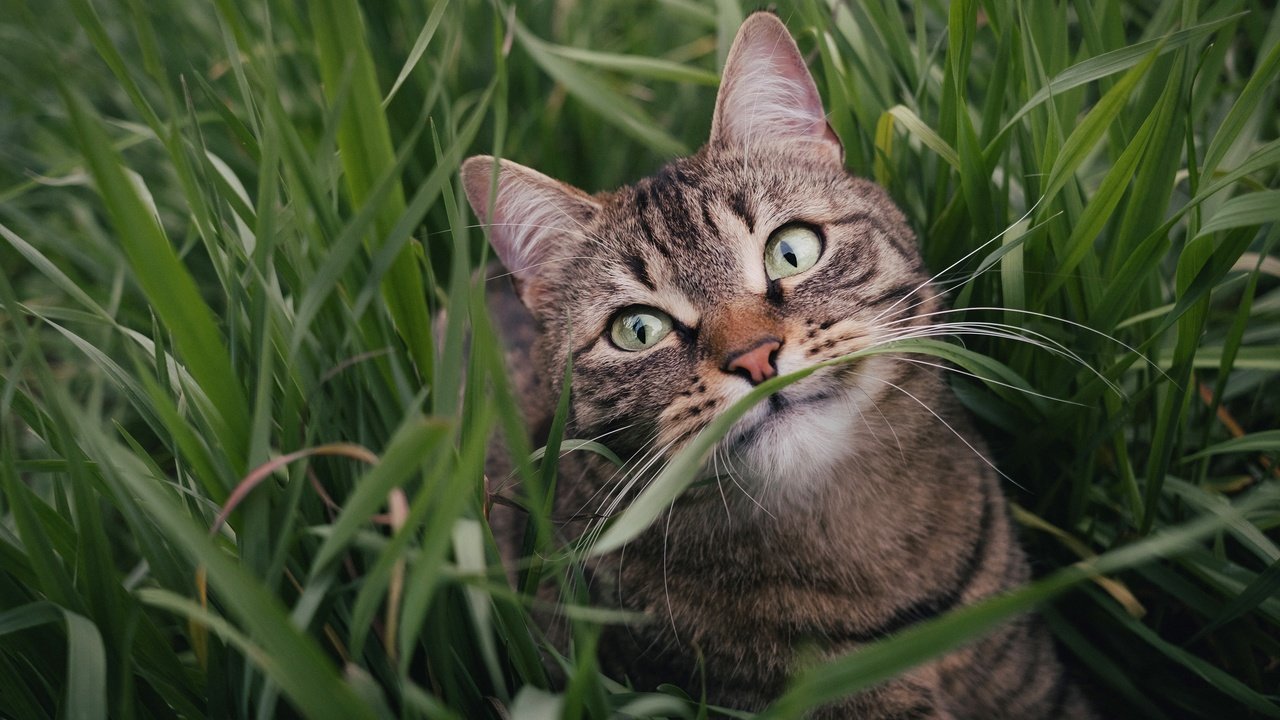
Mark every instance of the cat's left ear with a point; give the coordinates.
(533, 217)
(768, 96)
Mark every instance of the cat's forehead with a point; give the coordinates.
(698, 225)
(749, 188)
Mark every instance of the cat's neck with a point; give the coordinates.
(874, 520)
(895, 491)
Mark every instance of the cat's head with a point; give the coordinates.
(759, 255)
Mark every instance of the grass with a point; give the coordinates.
(226, 228)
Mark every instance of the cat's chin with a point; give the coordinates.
(790, 445)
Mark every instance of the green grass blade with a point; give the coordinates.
(1266, 441)
(167, 284)
(728, 17)
(419, 47)
(1260, 83)
(298, 664)
(1264, 587)
(639, 66)
(1111, 63)
(86, 696)
(1108, 196)
(364, 142)
(51, 271)
(1216, 677)
(1082, 140)
(611, 105)
(917, 127)
(1245, 211)
(572, 444)
(417, 439)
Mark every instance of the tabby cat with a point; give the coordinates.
(849, 504)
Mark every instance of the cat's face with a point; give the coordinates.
(758, 256)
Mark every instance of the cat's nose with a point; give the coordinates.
(757, 363)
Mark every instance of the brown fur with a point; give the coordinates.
(856, 500)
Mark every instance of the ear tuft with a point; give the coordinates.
(767, 94)
(532, 214)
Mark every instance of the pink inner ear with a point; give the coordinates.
(771, 94)
(532, 213)
(767, 94)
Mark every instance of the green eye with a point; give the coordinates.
(639, 328)
(791, 250)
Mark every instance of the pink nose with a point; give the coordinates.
(756, 364)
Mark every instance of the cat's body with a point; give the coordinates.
(848, 505)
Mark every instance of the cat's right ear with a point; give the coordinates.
(531, 215)
(768, 95)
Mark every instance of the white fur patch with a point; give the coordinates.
(792, 453)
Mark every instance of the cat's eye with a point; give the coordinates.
(791, 250)
(639, 328)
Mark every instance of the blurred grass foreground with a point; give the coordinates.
(225, 229)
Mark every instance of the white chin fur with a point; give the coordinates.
(794, 455)
(789, 458)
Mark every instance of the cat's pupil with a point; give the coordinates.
(788, 254)
(638, 327)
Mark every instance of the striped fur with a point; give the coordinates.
(848, 506)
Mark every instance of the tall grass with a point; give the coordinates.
(241, 474)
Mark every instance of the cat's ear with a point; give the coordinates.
(532, 214)
(767, 94)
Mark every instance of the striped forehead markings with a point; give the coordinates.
(854, 217)
(707, 220)
(636, 264)
(676, 191)
(738, 204)
(642, 215)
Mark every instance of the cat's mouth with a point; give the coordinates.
(794, 439)
(777, 409)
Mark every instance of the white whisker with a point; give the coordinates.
(1052, 318)
(666, 586)
(871, 431)
(942, 420)
(715, 469)
(741, 488)
(961, 371)
(995, 330)
(967, 255)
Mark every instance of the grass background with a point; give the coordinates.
(225, 228)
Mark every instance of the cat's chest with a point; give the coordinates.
(822, 580)
(751, 587)
(742, 631)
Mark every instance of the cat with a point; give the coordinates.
(849, 504)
